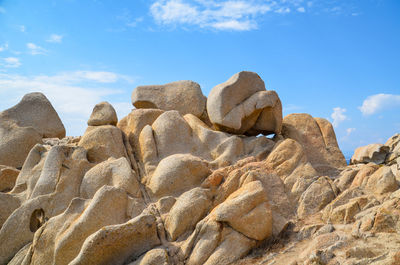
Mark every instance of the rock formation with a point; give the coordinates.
(182, 181)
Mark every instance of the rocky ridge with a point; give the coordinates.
(185, 179)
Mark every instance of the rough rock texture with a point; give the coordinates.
(318, 139)
(241, 105)
(375, 153)
(103, 114)
(24, 125)
(163, 187)
(183, 96)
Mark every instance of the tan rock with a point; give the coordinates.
(107, 207)
(240, 174)
(382, 181)
(177, 174)
(52, 192)
(16, 142)
(244, 209)
(36, 111)
(316, 197)
(112, 172)
(8, 176)
(318, 140)
(114, 245)
(183, 96)
(394, 149)
(346, 178)
(361, 178)
(8, 204)
(103, 114)
(233, 246)
(285, 157)
(241, 105)
(190, 208)
(103, 142)
(157, 256)
(375, 153)
(213, 243)
(134, 123)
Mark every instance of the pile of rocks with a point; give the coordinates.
(185, 179)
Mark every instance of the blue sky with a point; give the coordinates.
(334, 59)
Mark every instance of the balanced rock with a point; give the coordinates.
(375, 153)
(183, 96)
(241, 105)
(103, 114)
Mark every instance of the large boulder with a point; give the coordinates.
(375, 153)
(103, 142)
(24, 125)
(394, 148)
(177, 174)
(36, 111)
(103, 114)
(241, 105)
(120, 243)
(113, 172)
(318, 139)
(183, 96)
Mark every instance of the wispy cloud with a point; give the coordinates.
(73, 94)
(239, 15)
(350, 131)
(2, 10)
(10, 62)
(301, 9)
(55, 38)
(35, 49)
(128, 20)
(22, 28)
(338, 116)
(378, 102)
(3, 47)
(220, 15)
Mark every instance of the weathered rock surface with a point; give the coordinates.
(163, 187)
(241, 105)
(318, 139)
(103, 114)
(183, 96)
(375, 153)
(24, 125)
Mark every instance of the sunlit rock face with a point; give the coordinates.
(184, 179)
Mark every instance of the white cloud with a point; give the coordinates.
(350, 131)
(35, 49)
(301, 9)
(22, 28)
(378, 102)
(73, 94)
(338, 116)
(3, 47)
(55, 38)
(220, 15)
(235, 25)
(236, 14)
(283, 10)
(2, 10)
(11, 62)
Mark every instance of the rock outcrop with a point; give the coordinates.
(183, 96)
(241, 105)
(26, 124)
(166, 185)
